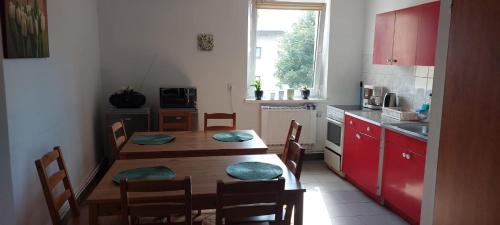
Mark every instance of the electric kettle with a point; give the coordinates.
(391, 100)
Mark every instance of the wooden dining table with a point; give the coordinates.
(192, 144)
(204, 171)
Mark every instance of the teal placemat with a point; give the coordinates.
(254, 171)
(233, 136)
(155, 139)
(146, 173)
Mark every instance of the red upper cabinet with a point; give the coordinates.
(427, 34)
(407, 36)
(384, 41)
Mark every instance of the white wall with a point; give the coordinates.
(6, 195)
(160, 36)
(55, 101)
(345, 56)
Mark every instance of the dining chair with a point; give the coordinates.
(295, 158)
(158, 198)
(238, 201)
(294, 161)
(118, 137)
(293, 134)
(220, 116)
(49, 183)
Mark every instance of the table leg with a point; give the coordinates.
(298, 217)
(93, 214)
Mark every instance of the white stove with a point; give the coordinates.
(335, 135)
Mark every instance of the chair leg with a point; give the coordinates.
(288, 214)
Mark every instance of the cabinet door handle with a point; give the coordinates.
(408, 156)
(350, 122)
(127, 119)
(178, 118)
(368, 129)
(404, 155)
(358, 136)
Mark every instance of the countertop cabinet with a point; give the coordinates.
(407, 36)
(403, 175)
(177, 119)
(361, 154)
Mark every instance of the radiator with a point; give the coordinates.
(275, 122)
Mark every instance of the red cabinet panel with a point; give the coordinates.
(384, 36)
(427, 34)
(405, 36)
(403, 177)
(361, 159)
(364, 127)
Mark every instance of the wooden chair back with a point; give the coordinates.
(293, 134)
(220, 116)
(118, 136)
(247, 199)
(295, 158)
(50, 182)
(168, 201)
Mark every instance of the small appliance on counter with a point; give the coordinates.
(335, 135)
(372, 97)
(178, 97)
(391, 100)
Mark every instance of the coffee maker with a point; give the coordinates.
(373, 97)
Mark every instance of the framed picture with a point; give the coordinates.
(25, 29)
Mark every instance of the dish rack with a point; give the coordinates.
(399, 114)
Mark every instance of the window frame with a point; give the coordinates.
(317, 91)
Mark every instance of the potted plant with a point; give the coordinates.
(258, 89)
(305, 92)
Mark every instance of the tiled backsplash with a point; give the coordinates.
(413, 84)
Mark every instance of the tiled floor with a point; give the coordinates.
(330, 200)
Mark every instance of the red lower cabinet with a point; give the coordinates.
(403, 175)
(361, 160)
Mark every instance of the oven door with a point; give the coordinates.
(335, 135)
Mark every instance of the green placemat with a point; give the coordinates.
(254, 171)
(156, 139)
(233, 136)
(146, 173)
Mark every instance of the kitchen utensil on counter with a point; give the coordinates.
(391, 100)
(372, 96)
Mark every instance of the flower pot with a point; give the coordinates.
(258, 95)
(305, 94)
(129, 99)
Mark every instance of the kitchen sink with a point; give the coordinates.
(416, 128)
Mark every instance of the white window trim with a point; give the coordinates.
(318, 90)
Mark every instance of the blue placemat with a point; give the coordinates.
(233, 136)
(155, 139)
(254, 171)
(146, 173)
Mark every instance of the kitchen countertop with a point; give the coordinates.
(375, 117)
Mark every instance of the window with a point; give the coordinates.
(258, 52)
(291, 34)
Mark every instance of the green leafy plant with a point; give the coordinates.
(258, 85)
(295, 65)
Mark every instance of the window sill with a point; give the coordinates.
(293, 101)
